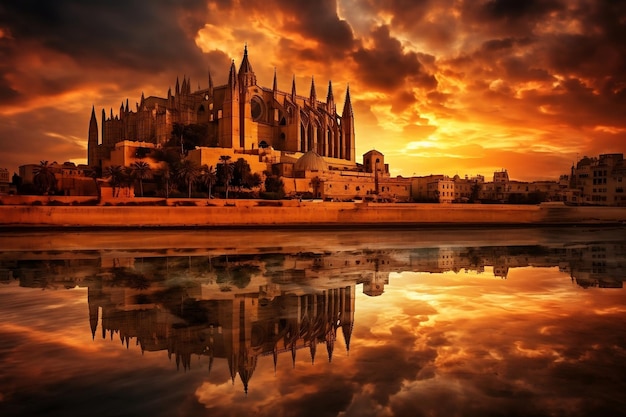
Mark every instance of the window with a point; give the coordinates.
(256, 108)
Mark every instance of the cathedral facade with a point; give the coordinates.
(240, 115)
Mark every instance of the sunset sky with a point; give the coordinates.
(442, 87)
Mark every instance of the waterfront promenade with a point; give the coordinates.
(288, 213)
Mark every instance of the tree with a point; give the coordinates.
(177, 136)
(241, 169)
(166, 176)
(274, 187)
(45, 181)
(225, 171)
(188, 172)
(209, 177)
(141, 171)
(115, 175)
(188, 136)
(128, 179)
(95, 173)
(475, 193)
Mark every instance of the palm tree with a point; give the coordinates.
(209, 177)
(115, 174)
(188, 171)
(166, 176)
(141, 171)
(44, 178)
(128, 179)
(95, 173)
(227, 172)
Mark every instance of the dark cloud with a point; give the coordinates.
(514, 10)
(125, 34)
(387, 67)
(319, 20)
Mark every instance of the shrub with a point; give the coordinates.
(266, 195)
(270, 203)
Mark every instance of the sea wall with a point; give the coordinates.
(251, 213)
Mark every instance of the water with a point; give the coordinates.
(469, 322)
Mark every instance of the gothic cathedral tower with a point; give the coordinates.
(92, 142)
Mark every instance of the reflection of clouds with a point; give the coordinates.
(432, 344)
(499, 361)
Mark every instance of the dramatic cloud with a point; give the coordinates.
(438, 86)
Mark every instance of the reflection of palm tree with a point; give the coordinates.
(188, 171)
(228, 170)
(44, 178)
(141, 171)
(115, 174)
(209, 177)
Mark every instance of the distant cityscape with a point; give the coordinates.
(241, 140)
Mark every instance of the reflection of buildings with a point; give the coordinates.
(237, 327)
(242, 306)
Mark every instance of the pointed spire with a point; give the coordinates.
(142, 99)
(313, 93)
(347, 107)
(210, 84)
(232, 75)
(330, 100)
(126, 105)
(183, 87)
(93, 113)
(313, 349)
(177, 90)
(293, 88)
(275, 85)
(246, 73)
(169, 93)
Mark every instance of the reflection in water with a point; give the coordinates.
(240, 302)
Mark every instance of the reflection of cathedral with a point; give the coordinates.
(239, 328)
(242, 306)
(238, 115)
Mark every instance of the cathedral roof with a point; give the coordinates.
(310, 161)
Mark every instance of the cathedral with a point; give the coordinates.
(240, 115)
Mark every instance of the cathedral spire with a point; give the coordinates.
(232, 75)
(293, 88)
(313, 93)
(347, 107)
(275, 85)
(177, 90)
(210, 84)
(246, 73)
(313, 349)
(330, 100)
(92, 145)
(183, 88)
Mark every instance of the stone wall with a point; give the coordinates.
(251, 213)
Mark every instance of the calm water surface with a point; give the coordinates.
(502, 322)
